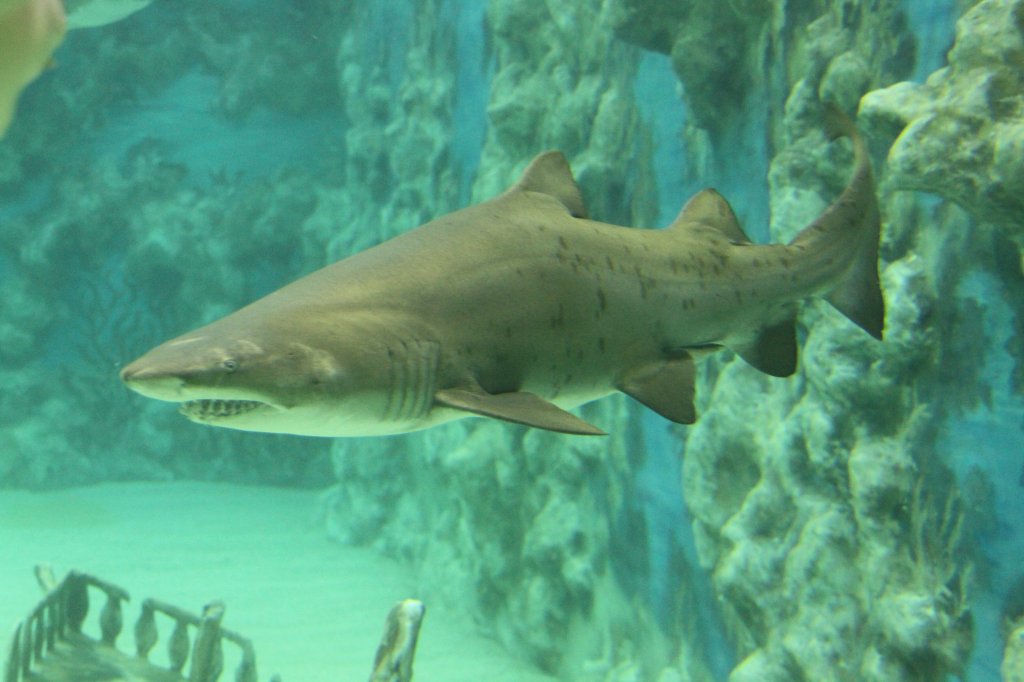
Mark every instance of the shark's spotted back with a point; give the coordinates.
(521, 308)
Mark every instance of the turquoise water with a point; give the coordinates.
(184, 161)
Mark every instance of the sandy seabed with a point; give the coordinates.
(313, 609)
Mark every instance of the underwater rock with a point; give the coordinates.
(122, 253)
(713, 47)
(730, 56)
(1012, 630)
(269, 68)
(581, 91)
(882, 476)
(1013, 657)
(961, 133)
(829, 559)
(25, 318)
(761, 667)
(847, 77)
(513, 525)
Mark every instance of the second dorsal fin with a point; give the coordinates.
(710, 209)
(549, 173)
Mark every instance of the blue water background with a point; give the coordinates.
(266, 140)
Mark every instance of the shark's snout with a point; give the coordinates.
(155, 377)
(153, 383)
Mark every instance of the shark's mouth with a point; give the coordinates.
(202, 410)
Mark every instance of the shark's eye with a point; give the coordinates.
(230, 365)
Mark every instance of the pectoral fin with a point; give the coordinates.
(519, 407)
(665, 386)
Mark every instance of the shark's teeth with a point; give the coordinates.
(211, 409)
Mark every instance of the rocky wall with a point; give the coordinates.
(960, 136)
(840, 547)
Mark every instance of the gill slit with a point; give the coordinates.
(411, 387)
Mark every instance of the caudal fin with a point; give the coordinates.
(858, 295)
(850, 229)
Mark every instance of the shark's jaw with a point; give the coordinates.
(211, 409)
(253, 409)
(210, 406)
(242, 414)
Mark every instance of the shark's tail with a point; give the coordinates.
(852, 223)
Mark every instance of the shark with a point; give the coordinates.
(94, 13)
(30, 30)
(520, 309)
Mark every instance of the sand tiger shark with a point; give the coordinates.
(521, 308)
(30, 30)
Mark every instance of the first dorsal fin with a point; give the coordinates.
(709, 208)
(549, 173)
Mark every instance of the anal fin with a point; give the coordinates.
(665, 386)
(518, 407)
(773, 350)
